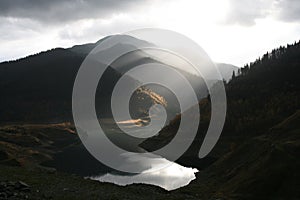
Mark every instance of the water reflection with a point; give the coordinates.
(156, 170)
(171, 177)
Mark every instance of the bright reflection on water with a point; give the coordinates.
(156, 170)
(171, 177)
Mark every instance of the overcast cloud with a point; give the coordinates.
(61, 11)
(288, 10)
(246, 12)
(63, 23)
(243, 12)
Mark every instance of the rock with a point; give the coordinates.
(22, 184)
(14, 190)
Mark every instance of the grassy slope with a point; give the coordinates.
(264, 167)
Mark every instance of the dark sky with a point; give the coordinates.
(62, 11)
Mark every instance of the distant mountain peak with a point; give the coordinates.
(226, 70)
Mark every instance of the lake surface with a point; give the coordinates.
(157, 171)
(171, 177)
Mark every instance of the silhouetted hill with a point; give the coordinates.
(33, 87)
(265, 92)
(257, 156)
(38, 88)
(261, 95)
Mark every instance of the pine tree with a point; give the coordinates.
(233, 75)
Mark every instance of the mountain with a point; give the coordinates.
(38, 88)
(263, 94)
(257, 156)
(226, 70)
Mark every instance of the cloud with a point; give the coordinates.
(60, 11)
(30, 26)
(94, 29)
(245, 12)
(13, 29)
(242, 12)
(288, 10)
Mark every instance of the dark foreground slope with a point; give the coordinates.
(263, 167)
(45, 185)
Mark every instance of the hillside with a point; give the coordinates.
(38, 88)
(257, 156)
(261, 95)
(263, 167)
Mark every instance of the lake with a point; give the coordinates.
(158, 171)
